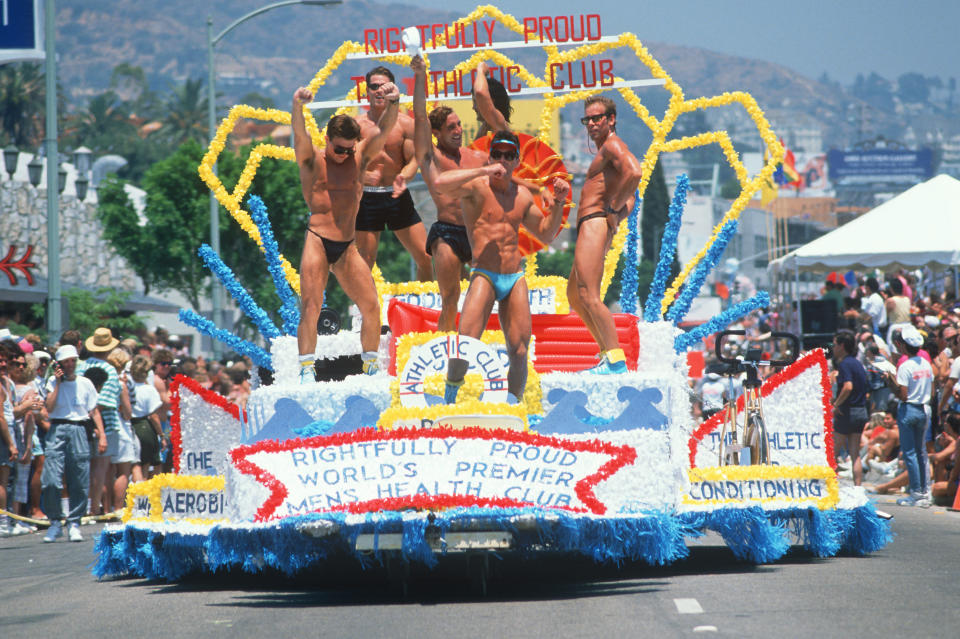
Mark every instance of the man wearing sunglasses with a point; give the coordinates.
(332, 181)
(606, 199)
(494, 207)
(386, 202)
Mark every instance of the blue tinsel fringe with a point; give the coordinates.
(628, 278)
(244, 300)
(259, 356)
(289, 309)
(657, 538)
(668, 249)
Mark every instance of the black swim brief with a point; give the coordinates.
(455, 236)
(334, 249)
(590, 216)
(380, 209)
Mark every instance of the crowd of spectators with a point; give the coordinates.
(895, 362)
(87, 416)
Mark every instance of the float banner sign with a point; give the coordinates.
(21, 26)
(369, 471)
(879, 165)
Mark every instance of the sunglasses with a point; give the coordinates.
(373, 86)
(18, 364)
(503, 155)
(592, 118)
(344, 150)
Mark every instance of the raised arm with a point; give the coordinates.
(370, 147)
(302, 144)
(458, 181)
(545, 227)
(488, 113)
(422, 141)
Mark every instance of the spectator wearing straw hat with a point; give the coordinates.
(99, 346)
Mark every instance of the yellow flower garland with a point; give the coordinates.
(659, 128)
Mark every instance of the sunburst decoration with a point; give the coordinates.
(660, 129)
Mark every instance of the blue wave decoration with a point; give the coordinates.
(668, 249)
(655, 537)
(289, 309)
(628, 277)
(691, 287)
(721, 321)
(247, 304)
(259, 356)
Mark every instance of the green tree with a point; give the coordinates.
(186, 113)
(102, 308)
(103, 126)
(163, 250)
(22, 103)
(913, 88)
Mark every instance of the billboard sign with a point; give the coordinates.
(879, 165)
(21, 30)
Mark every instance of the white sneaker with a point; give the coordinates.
(53, 533)
(307, 375)
(21, 528)
(73, 533)
(6, 530)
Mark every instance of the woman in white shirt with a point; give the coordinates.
(913, 386)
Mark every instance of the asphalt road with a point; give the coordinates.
(906, 590)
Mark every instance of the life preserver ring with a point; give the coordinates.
(431, 357)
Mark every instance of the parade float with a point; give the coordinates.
(612, 467)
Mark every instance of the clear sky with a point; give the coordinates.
(841, 37)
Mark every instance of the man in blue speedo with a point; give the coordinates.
(494, 207)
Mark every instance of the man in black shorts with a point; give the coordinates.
(447, 242)
(386, 202)
(850, 404)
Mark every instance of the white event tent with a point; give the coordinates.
(920, 227)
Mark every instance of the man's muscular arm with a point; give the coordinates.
(481, 90)
(422, 142)
(371, 146)
(629, 170)
(302, 144)
(545, 227)
(458, 182)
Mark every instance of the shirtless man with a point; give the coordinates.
(606, 199)
(386, 201)
(493, 209)
(447, 242)
(332, 181)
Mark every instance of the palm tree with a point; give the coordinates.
(186, 117)
(22, 95)
(104, 124)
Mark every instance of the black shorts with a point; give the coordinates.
(850, 421)
(455, 236)
(379, 210)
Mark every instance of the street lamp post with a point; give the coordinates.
(212, 40)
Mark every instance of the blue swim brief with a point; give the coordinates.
(502, 283)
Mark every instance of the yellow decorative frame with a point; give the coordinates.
(660, 129)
